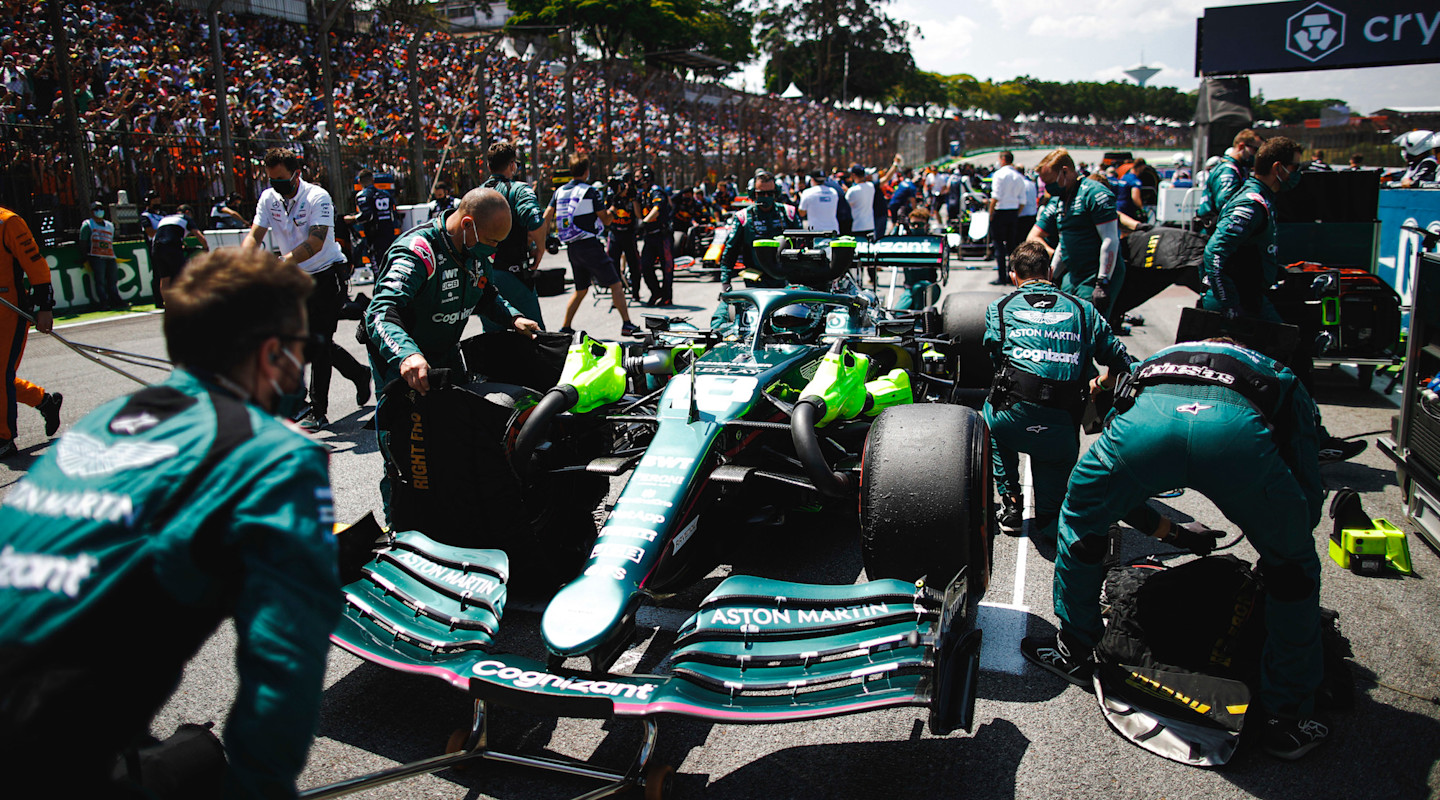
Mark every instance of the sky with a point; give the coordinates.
(1100, 39)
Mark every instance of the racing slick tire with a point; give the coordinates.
(925, 490)
(963, 322)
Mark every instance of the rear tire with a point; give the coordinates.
(925, 496)
(963, 317)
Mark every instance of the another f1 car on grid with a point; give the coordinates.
(811, 398)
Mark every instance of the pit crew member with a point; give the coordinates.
(1083, 215)
(575, 210)
(433, 278)
(154, 519)
(20, 260)
(1190, 426)
(1043, 342)
(519, 254)
(167, 248)
(1228, 175)
(657, 220)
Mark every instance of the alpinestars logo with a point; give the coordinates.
(1193, 408)
(1316, 32)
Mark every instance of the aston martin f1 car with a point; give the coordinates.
(811, 398)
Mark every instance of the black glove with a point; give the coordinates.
(1100, 298)
(1195, 537)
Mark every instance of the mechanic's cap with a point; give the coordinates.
(818, 175)
(856, 169)
(764, 174)
(96, 205)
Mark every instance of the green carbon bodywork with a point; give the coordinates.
(597, 371)
(757, 651)
(655, 513)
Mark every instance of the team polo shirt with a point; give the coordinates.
(290, 221)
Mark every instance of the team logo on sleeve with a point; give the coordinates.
(83, 456)
(421, 248)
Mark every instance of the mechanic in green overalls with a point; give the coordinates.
(519, 254)
(433, 278)
(766, 219)
(1240, 429)
(1086, 262)
(1228, 175)
(155, 518)
(1043, 342)
(1242, 258)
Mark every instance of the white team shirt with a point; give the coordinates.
(290, 221)
(821, 206)
(861, 197)
(1031, 206)
(1007, 186)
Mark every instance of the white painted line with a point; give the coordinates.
(1022, 543)
(83, 323)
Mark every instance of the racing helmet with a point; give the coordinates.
(1211, 162)
(1415, 144)
(1180, 160)
(800, 321)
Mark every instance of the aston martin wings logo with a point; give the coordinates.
(1042, 317)
(83, 456)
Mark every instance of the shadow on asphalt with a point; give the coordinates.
(978, 766)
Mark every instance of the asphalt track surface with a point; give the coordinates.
(1035, 737)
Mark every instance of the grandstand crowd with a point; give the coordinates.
(147, 109)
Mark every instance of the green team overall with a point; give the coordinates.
(425, 292)
(154, 518)
(1241, 258)
(1239, 428)
(766, 219)
(1042, 341)
(514, 273)
(1229, 174)
(1082, 212)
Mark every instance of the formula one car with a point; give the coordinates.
(810, 398)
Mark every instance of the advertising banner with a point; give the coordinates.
(1306, 35)
(75, 285)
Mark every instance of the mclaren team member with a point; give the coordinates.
(1202, 409)
(1229, 174)
(154, 519)
(300, 219)
(1043, 342)
(433, 278)
(576, 211)
(1241, 261)
(518, 256)
(1086, 261)
(656, 251)
(20, 261)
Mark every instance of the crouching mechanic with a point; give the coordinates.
(1042, 341)
(1240, 429)
(152, 520)
(766, 219)
(432, 279)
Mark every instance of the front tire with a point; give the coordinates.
(925, 496)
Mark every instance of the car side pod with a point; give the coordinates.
(757, 651)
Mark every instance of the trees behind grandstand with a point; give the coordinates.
(807, 42)
(1028, 96)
